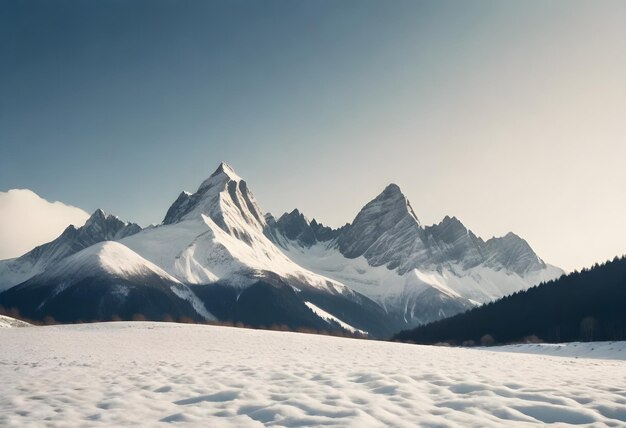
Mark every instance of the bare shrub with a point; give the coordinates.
(48, 320)
(487, 340)
(532, 339)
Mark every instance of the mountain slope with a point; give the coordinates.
(381, 273)
(103, 281)
(586, 305)
(217, 234)
(419, 273)
(99, 227)
(215, 239)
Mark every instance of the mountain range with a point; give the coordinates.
(217, 256)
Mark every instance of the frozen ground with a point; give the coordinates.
(149, 374)
(600, 350)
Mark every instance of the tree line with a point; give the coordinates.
(587, 305)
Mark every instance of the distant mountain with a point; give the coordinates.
(581, 306)
(419, 273)
(295, 227)
(99, 227)
(379, 274)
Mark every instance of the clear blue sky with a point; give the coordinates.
(509, 115)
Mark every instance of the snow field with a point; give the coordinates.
(601, 350)
(8, 322)
(154, 374)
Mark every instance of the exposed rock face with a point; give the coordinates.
(225, 198)
(385, 222)
(296, 227)
(436, 271)
(387, 232)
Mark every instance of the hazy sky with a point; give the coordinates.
(509, 115)
(27, 220)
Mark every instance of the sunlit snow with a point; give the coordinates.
(143, 374)
(330, 317)
(8, 322)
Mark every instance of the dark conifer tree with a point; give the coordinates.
(582, 306)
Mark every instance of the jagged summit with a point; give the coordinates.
(393, 193)
(449, 230)
(224, 168)
(223, 174)
(296, 227)
(512, 235)
(453, 219)
(224, 197)
(99, 227)
(389, 214)
(217, 234)
(513, 253)
(295, 213)
(98, 214)
(102, 227)
(392, 189)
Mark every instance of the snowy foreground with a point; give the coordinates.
(8, 322)
(601, 350)
(117, 374)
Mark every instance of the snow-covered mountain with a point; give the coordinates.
(99, 227)
(297, 228)
(421, 273)
(381, 273)
(103, 281)
(217, 235)
(215, 239)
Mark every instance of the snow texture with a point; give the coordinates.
(110, 257)
(151, 374)
(115, 259)
(601, 350)
(8, 322)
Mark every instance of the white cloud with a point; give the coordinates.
(27, 220)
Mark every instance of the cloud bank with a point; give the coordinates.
(27, 220)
